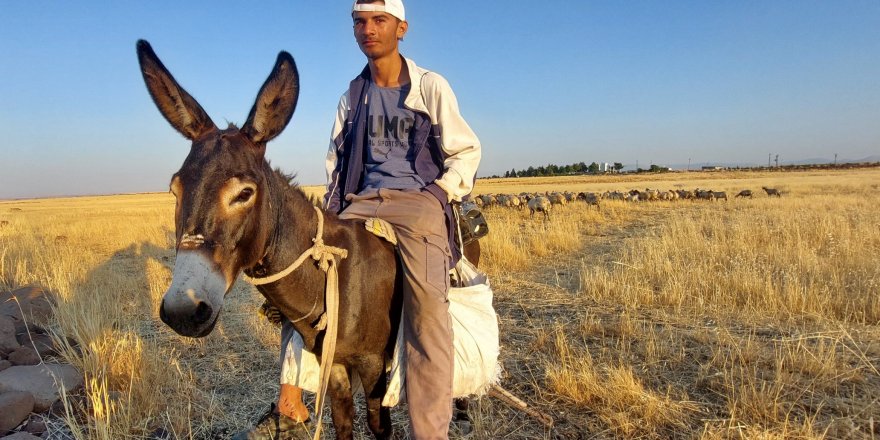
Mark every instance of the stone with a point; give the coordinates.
(43, 343)
(39, 380)
(20, 436)
(8, 342)
(34, 302)
(24, 356)
(15, 406)
(36, 425)
(4, 364)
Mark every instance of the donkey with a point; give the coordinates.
(235, 214)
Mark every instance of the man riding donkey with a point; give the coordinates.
(400, 151)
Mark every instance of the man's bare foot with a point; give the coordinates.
(290, 403)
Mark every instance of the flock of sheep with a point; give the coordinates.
(543, 203)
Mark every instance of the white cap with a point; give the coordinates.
(391, 7)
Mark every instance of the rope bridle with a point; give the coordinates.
(326, 259)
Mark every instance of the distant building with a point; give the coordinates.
(712, 168)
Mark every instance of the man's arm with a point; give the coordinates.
(335, 158)
(459, 144)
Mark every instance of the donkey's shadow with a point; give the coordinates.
(235, 368)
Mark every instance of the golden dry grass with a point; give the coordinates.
(746, 319)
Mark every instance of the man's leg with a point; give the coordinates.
(290, 403)
(424, 249)
(420, 225)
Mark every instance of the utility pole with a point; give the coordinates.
(835, 159)
(689, 164)
(777, 161)
(768, 159)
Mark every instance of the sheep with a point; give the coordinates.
(503, 200)
(488, 200)
(718, 195)
(652, 194)
(590, 198)
(557, 199)
(771, 192)
(704, 194)
(613, 195)
(744, 193)
(515, 201)
(668, 195)
(541, 204)
(685, 194)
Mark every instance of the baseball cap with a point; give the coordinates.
(391, 7)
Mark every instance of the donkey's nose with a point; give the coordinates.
(202, 314)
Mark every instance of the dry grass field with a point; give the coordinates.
(751, 318)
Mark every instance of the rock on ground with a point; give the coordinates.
(43, 343)
(20, 436)
(15, 406)
(27, 304)
(8, 342)
(24, 356)
(39, 380)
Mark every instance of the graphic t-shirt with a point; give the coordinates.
(390, 157)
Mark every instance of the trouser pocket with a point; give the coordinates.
(437, 263)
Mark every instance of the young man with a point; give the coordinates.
(401, 151)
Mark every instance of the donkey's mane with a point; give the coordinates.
(293, 189)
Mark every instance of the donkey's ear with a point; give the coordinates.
(275, 102)
(178, 107)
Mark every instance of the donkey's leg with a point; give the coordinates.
(372, 373)
(341, 402)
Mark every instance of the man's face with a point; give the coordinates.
(377, 33)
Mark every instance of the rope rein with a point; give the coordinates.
(319, 251)
(326, 257)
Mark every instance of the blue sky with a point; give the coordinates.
(540, 82)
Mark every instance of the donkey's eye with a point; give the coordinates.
(244, 195)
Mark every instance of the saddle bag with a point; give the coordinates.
(476, 345)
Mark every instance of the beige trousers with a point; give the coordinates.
(424, 249)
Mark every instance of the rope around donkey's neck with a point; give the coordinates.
(326, 258)
(319, 251)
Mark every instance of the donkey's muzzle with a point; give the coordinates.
(189, 322)
(193, 302)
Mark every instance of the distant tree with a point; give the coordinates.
(618, 166)
(513, 172)
(593, 168)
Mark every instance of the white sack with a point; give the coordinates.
(474, 324)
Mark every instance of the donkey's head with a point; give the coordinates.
(222, 190)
